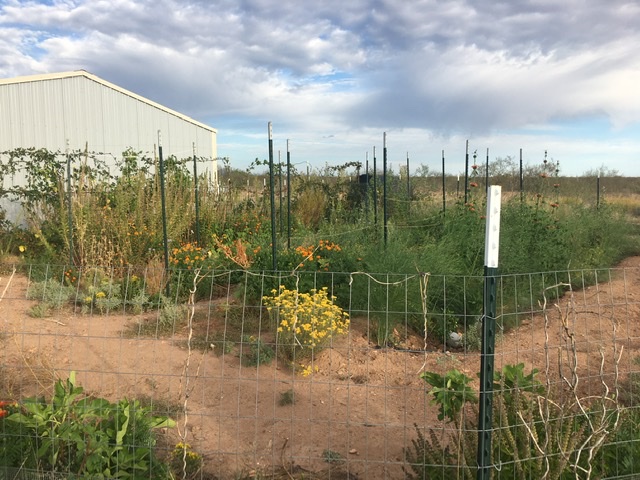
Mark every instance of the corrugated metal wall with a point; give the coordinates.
(49, 112)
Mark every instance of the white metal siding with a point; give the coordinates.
(48, 112)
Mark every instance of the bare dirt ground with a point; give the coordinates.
(350, 419)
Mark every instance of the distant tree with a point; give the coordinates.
(602, 171)
(506, 166)
(423, 171)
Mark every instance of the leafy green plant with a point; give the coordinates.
(536, 433)
(259, 352)
(331, 456)
(450, 392)
(287, 397)
(51, 293)
(437, 458)
(76, 434)
(171, 316)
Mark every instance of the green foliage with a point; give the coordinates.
(259, 352)
(185, 462)
(82, 436)
(431, 458)
(440, 326)
(171, 316)
(513, 379)
(287, 397)
(450, 392)
(536, 433)
(333, 457)
(51, 293)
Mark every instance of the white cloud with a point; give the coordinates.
(427, 70)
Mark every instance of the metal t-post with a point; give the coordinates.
(163, 203)
(384, 188)
(197, 194)
(69, 206)
(466, 173)
(444, 187)
(288, 197)
(487, 353)
(375, 188)
(274, 250)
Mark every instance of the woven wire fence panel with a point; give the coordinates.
(242, 385)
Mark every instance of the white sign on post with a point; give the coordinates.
(492, 229)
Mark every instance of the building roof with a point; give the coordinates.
(90, 76)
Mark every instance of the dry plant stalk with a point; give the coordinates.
(240, 256)
(593, 432)
(185, 371)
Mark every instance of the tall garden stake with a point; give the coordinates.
(375, 189)
(69, 206)
(487, 353)
(288, 197)
(163, 203)
(486, 176)
(366, 189)
(444, 187)
(281, 221)
(408, 185)
(466, 173)
(195, 187)
(384, 187)
(521, 179)
(274, 250)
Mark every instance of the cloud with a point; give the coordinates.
(442, 68)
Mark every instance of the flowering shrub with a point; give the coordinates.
(185, 461)
(185, 260)
(317, 256)
(188, 256)
(306, 322)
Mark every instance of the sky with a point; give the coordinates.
(334, 76)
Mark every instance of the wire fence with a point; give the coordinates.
(374, 377)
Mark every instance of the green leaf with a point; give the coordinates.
(123, 429)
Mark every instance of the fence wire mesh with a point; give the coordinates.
(259, 375)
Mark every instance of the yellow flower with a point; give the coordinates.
(22, 248)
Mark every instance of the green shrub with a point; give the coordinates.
(82, 436)
(259, 353)
(51, 293)
(535, 433)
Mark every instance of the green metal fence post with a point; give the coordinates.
(69, 206)
(385, 213)
(444, 187)
(485, 415)
(375, 188)
(288, 196)
(197, 194)
(466, 173)
(274, 250)
(163, 203)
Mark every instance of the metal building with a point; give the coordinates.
(78, 110)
